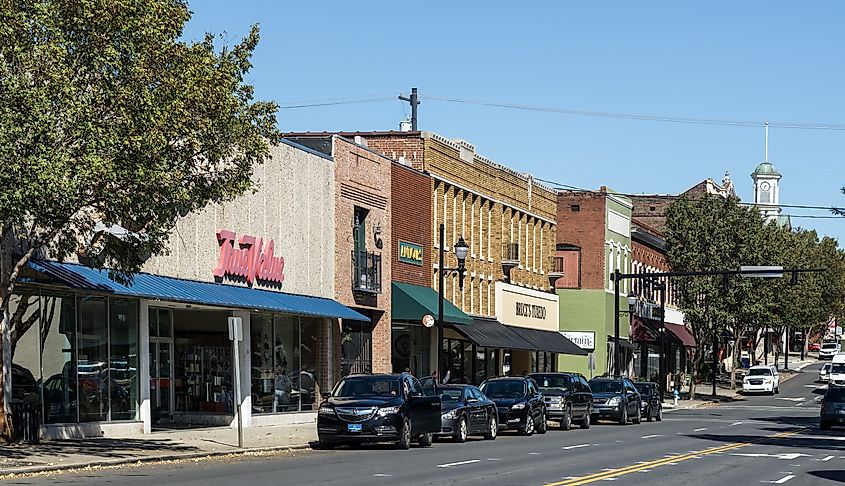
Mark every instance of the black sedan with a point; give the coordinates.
(379, 408)
(833, 408)
(519, 403)
(652, 405)
(466, 411)
(616, 399)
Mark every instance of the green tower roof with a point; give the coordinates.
(765, 168)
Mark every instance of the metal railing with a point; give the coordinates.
(366, 272)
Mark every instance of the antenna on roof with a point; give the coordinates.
(414, 101)
(767, 142)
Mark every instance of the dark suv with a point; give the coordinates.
(379, 408)
(519, 403)
(568, 398)
(833, 408)
(652, 405)
(616, 399)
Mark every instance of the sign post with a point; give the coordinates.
(236, 335)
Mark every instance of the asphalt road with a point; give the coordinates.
(771, 440)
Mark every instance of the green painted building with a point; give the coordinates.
(593, 240)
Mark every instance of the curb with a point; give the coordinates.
(6, 473)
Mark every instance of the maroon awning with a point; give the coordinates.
(643, 331)
(681, 333)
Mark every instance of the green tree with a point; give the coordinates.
(108, 118)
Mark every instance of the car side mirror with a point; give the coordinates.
(325, 396)
(471, 400)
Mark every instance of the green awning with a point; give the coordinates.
(410, 303)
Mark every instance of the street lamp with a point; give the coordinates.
(461, 249)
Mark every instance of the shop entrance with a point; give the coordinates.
(161, 366)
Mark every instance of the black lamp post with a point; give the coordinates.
(461, 250)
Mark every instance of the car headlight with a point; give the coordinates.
(518, 406)
(614, 401)
(384, 411)
(326, 409)
(451, 414)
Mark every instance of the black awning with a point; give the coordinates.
(490, 333)
(623, 343)
(549, 341)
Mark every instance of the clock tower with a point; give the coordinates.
(766, 190)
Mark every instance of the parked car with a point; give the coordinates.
(465, 411)
(379, 408)
(833, 408)
(814, 347)
(519, 403)
(616, 399)
(24, 386)
(652, 405)
(761, 379)
(828, 350)
(824, 372)
(837, 370)
(568, 398)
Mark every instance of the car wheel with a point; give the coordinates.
(659, 416)
(824, 426)
(543, 426)
(492, 428)
(528, 429)
(585, 423)
(463, 431)
(777, 390)
(566, 420)
(648, 415)
(623, 420)
(426, 439)
(324, 446)
(639, 418)
(405, 438)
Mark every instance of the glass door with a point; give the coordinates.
(161, 366)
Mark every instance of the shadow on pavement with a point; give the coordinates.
(821, 440)
(838, 475)
(99, 448)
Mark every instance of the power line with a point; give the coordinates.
(335, 101)
(642, 117)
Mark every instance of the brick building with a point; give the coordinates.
(363, 249)
(508, 221)
(593, 240)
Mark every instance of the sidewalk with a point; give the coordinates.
(704, 397)
(159, 446)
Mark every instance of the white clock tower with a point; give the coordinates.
(766, 191)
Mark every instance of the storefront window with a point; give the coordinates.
(92, 366)
(468, 363)
(411, 349)
(263, 377)
(356, 347)
(312, 332)
(24, 314)
(58, 355)
(123, 371)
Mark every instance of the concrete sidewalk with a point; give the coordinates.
(159, 446)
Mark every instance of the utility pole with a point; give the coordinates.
(414, 101)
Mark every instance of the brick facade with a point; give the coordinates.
(410, 189)
(581, 224)
(486, 203)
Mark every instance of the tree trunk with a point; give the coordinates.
(736, 349)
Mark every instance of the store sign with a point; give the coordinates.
(410, 253)
(519, 306)
(251, 258)
(584, 340)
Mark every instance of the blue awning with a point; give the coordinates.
(148, 286)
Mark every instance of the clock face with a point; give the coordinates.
(764, 186)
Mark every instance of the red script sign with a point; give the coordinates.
(250, 260)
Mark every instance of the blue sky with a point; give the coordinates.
(750, 60)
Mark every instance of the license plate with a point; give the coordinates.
(353, 427)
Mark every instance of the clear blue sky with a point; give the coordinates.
(751, 60)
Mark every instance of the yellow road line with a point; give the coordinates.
(613, 473)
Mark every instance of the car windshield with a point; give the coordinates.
(826, 367)
(643, 388)
(504, 389)
(835, 395)
(606, 386)
(450, 394)
(368, 386)
(838, 368)
(551, 381)
(829, 346)
(759, 372)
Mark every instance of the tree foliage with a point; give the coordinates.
(108, 118)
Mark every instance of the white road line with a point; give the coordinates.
(826, 459)
(566, 448)
(382, 475)
(736, 423)
(534, 453)
(700, 430)
(609, 479)
(650, 436)
(461, 463)
(781, 480)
